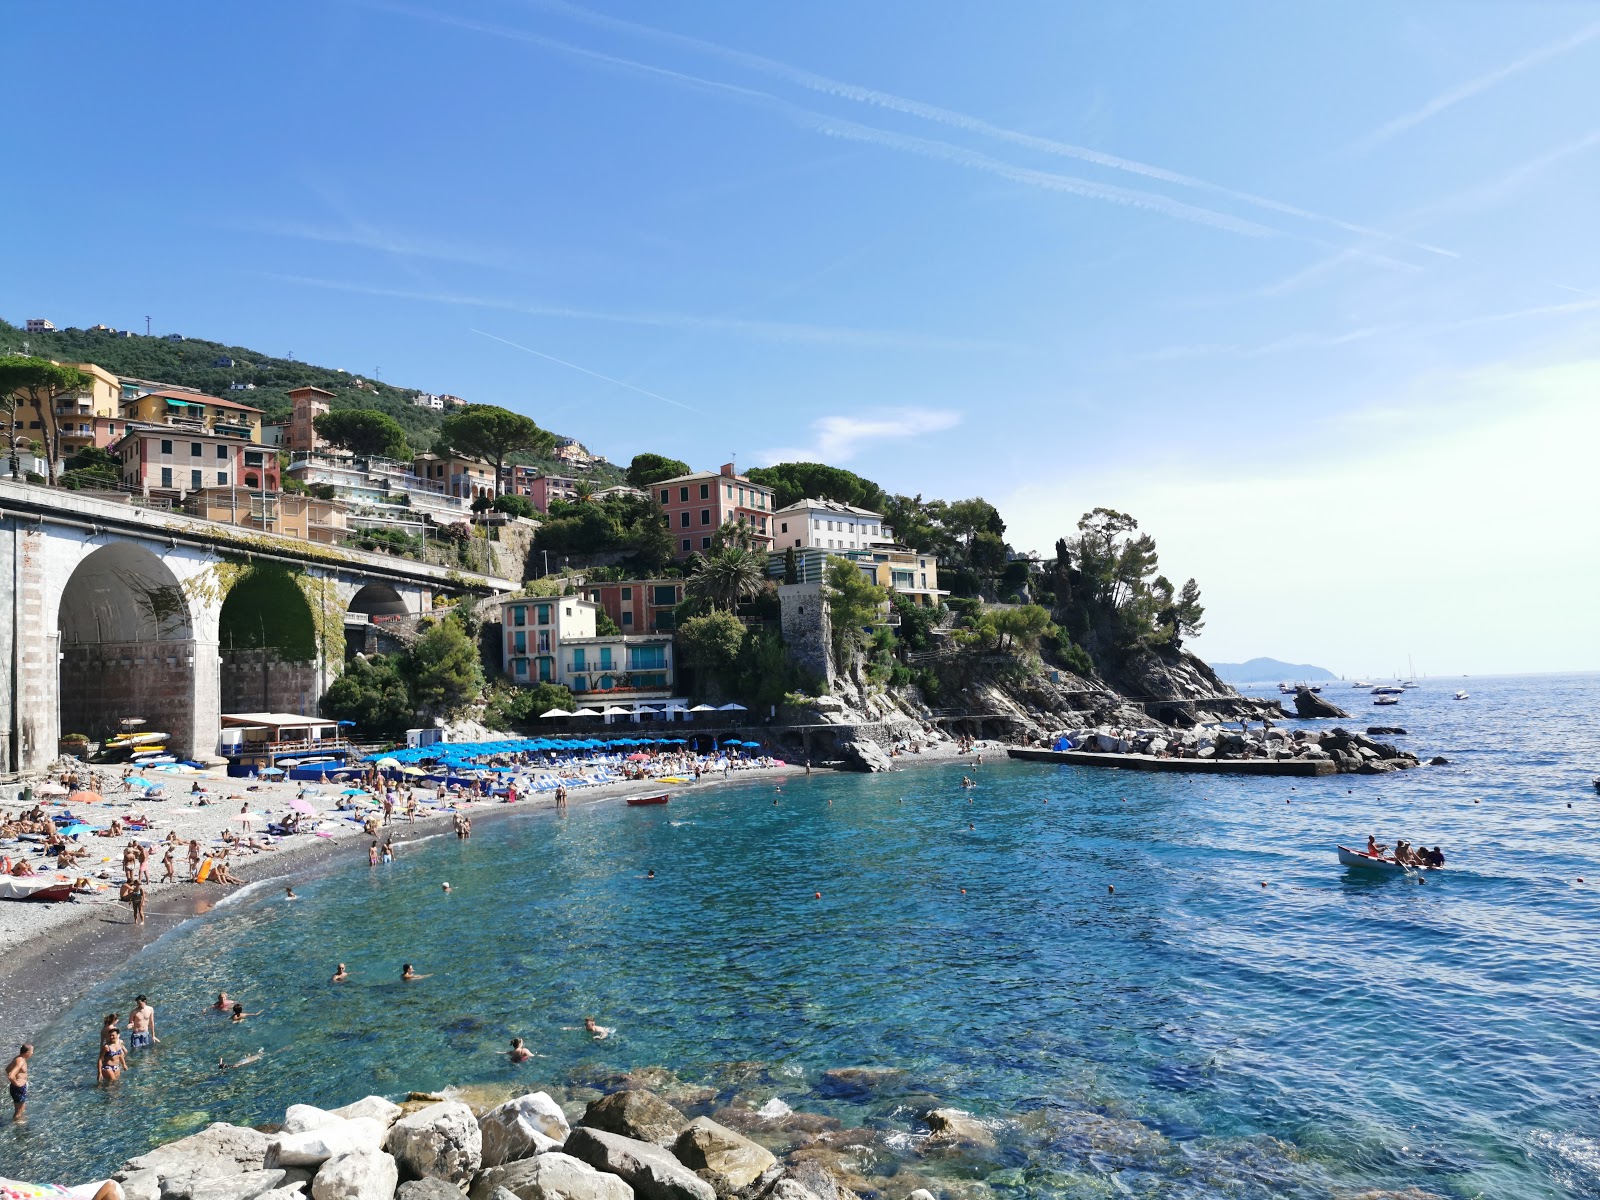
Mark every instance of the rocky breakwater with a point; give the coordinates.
(1351, 753)
(629, 1144)
(1307, 704)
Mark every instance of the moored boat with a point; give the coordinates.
(1360, 858)
(35, 887)
(1386, 699)
(639, 801)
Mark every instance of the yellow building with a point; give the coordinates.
(194, 411)
(285, 514)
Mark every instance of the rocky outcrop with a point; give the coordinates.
(554, 1176)
(650, 1171)
(1307, 704)
(313, 1147)
(359, 1175)
(441, 1141)
(219, 1149)
(385, 1112)
(428, 1189)
(952, 1127)
(520, 1128)
(247, 1186)
(728, 1161)
(635, 1113)
(861, 754)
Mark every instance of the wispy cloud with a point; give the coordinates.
(1465, 91)
(585, 370)
(838, 89)
(1294, 341)
(840, 438)
(1498, 189)
(846, 130)
(773, 331)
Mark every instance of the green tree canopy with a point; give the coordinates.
(817, 481)
(443, 668)
(35, 384)
(372, 692)
(727, 577)
(491, 433)
(363, 431)
(646, 469)
(710, 645)
(854, 603)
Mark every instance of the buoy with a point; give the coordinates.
(819, 895)
(1580, 878)
(963, 891)
(1263, 883)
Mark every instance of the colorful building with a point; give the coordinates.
(281, 513)
(467, 478)
(697, 505)
(193, 412)
(308, 403)
(540, 488)
(158, 459)
(553, 639)
(639, 605)
(897, 568)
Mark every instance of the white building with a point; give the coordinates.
(40, 325)
(828, 525)
(553, 639)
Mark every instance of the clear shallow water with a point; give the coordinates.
(1195, 1034)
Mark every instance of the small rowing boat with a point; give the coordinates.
(640, 801)
(35, 887)
(1360, 858)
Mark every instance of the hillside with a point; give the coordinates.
(1269, 670)
(192, 363)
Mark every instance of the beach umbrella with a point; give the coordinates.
(556, 712)
(749, 745)
(303, 806)
(49, 789)
(84, 798)
(270, 771)
(353, 792)
(733, 708)
(587, 712)
(390, 761)
(413, 771)
(704, 708)
(636, 756)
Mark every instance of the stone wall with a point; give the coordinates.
(259, 681)
(103, 682)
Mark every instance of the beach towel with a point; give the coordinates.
(12, 1189)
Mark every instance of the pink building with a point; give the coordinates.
(158, 458)
(538, 487)
(697, 505)
(309, 404)
(639, 605)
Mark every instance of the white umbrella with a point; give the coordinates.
(557, 712)
(388, 762)
(704, 708)
(587, 712)
(613, 710)
(50, 789)
(733, 708)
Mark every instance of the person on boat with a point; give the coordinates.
(1374, 850)
(1438, 857)
(519, 1052)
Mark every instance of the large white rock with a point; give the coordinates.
(359, 1175)
(316, 1146)
(376, 1107)
(520, 1128)
(553, 1176)
(441, 1141)
(219, 1149)
(249, 1186)
(299, 1118)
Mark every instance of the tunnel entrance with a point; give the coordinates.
(373, 607)
(268, 643)
(126, 647)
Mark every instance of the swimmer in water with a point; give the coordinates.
(223, 1003)
(239, 1014)
(410, 976)
(519, 1052)
(288, 894)
(600, 1032)
(340, 975)
(650, 874)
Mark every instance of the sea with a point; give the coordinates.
(1143, 985)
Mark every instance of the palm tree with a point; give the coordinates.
(727, 577)
(583, 491)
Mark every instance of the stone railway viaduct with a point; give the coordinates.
(108, 610)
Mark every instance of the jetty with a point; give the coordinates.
(1301, 768)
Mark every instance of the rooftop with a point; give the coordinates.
(184, 396)
(830, 506)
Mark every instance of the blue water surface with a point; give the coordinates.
(1193, 1034)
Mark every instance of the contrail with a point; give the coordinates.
(958, 120)
(574, 366)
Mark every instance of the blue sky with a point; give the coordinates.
(1313, 291)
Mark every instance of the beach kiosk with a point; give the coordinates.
(299, 747)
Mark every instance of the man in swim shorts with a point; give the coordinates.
(17, 1081)
(142, 1025)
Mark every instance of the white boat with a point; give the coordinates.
(1462, 696)
(1360, 858)
(35, 887)
(1361, 683)
(1286, 689)
(1386, 699)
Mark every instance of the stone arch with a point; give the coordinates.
(126, 646)
(378, 600)
(267, 641)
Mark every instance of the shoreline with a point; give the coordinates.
(50, 956)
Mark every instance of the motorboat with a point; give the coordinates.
(1365, 861)
(1386, 699)
(35, 887)
(1386, 690)
(641, 801)
(1286, 689)
(1361, 683)
(1461, 696)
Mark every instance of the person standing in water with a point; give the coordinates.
(17, 1081)
(142, 1025)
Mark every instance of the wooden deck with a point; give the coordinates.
(1302, 768)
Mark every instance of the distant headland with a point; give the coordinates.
(1265, 670)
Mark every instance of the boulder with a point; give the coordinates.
(1385, 731)
(218, 1151)
(554, 1176)
(636, 1114)
(952, 1127)
(316, 1146)
(860, 754)
(648, 1169)
(920, 1194)
(1308, 704)
(248, 1186)
(441, 1141)
(385, 1111)
(1375, 766)
(142, 1185)
(521, 1128)
(429, 1189)
(726, 1160)
(301, 1118)
(852, 1082)
(1438, 760)
(359, 1175)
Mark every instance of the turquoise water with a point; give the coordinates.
(1194, 1034)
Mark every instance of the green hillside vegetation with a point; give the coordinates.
(192, 363)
